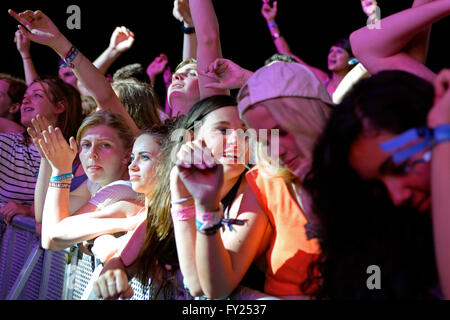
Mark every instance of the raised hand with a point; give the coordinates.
(269, 13)
(40, 123)
(122, 39)
(57, 151)
(228, 75)
(39, 27)
(182, 12)
(199, 172)
(22, 44)
(157, 66)
(369, 7)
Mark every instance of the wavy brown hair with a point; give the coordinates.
(159, 247)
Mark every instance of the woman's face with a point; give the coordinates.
(183, 92)
(144, 157)
(407, 184)
(284, 149)
(338, 59)
(223, 133)
(103, 155)
(37, 101)
(66, 74)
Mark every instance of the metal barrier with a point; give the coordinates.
(28, 272)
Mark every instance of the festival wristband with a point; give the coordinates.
(441, 133)
(183, 214)
(430, 137)
(70, 56)
(61, 177)
(209, 221)
(61, 185)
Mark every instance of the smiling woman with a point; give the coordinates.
(20, 160)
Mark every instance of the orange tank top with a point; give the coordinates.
(290, 252)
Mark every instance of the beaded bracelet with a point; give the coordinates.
(272, 25)
(59, 185)
(61, 177)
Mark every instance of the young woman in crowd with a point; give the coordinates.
(72, 217)
(340, 57)
(60, 103)
(213, 117)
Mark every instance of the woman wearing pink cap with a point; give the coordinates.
(289, 98)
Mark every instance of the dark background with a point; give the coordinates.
(309, 27)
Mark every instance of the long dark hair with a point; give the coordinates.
(360, 225)
(159, 247)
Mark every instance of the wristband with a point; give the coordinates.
(70, 56)
(271, 25)
(209, 222)
(441, 133)
(59, 185)
(430, 137)
(187, 30)
(183, 214)
(61, 177)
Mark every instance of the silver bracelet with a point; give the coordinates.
(180, 200)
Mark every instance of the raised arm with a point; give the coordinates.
(222, 258)
(76, 198)
(384, 48)
(270, 13)
(440, 181)
(122, 39)
(42, 30)
(23, 46)
(208, 42)
(182, 12)
(183, 212)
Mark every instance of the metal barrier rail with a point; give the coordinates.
(28, 272)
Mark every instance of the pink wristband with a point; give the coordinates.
(183, 214)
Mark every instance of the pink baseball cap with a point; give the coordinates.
(281, 79)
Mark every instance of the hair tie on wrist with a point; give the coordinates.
(187, 30)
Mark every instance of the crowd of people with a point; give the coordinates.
(287, 182)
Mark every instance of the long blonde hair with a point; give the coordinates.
(302, 117)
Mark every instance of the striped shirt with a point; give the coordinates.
(19, 167)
